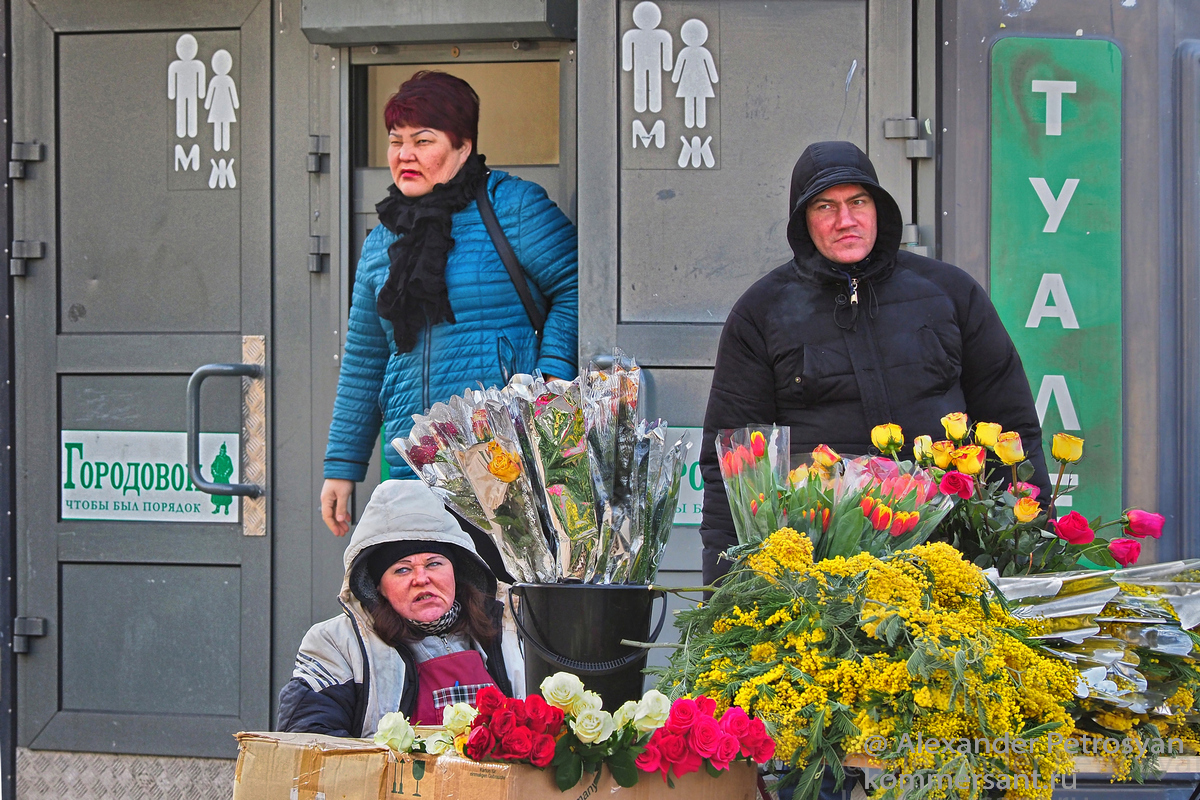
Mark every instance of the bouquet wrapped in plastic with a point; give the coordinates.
(561, 475)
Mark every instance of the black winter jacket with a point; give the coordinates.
(923, 340)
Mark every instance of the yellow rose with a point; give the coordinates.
(652, 711)
(968, 459)
(587, 701)
(943, 453)
(955, 425)
(986, 433)
(458, 717)
(593, 726)
(1009, 449)
(824, 456)
(561, 690)
(887, 438)
(1066, 448)
(503, 465)
(923, 450)
(1027, 509)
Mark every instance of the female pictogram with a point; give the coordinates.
(695, 72)
(221, 100)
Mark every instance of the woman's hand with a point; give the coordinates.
(335, 504)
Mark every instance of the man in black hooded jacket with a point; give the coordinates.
(853, 333)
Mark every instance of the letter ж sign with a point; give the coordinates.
(1055, 244)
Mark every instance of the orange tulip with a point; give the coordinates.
(881, 517)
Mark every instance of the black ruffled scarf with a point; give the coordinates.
(415, 290)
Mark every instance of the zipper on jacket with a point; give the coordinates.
(425, 367)
(854, 291)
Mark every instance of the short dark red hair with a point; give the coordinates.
(437, 100)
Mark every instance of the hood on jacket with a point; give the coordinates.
(826, 164)
(408, 511)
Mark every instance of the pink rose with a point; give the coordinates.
(735, 722)
(683, 714)
(957, 483)
(706, 705)
(1074, 529)
(672, 748)
(704, 736)
(649, 760)
(727, 751)
(1023, 489)
(765, 751)
(1125, 551)
(755, 734)
(1143, 523)
(691, 762)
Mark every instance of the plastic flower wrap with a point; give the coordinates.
(488, 455)
(754, 467)
(561, 475)
(552, 416)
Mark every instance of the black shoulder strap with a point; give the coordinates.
(509, 258)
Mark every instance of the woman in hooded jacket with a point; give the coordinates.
(420, 627)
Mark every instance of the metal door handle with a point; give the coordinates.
(193, 432)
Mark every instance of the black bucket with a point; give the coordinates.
(578, 628)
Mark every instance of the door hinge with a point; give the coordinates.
(318, 252)
(22, 152)
(318, 146)
(25, 628)
(21, 251)
(908, 128)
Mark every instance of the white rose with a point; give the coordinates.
(652, 711)
(561, 690)
(625, 714)
(588, 701)
(440, 742)
(457, 718)
(593, 727)
(395, 732)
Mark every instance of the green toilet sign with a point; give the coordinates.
(1055, 244)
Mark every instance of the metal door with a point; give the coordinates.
(692, 114)
(142, 250)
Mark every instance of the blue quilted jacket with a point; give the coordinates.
(378, 384)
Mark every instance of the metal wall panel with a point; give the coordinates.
(349, 22)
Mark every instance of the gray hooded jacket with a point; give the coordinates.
(346, 678)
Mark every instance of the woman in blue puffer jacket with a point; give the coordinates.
(434, 309)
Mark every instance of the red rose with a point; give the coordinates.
(502, 722)
(536, 713)
(1073, 528)
(1143, 523)
(543, 750)
(672, 748)
(706, 705)
(957, 483)
(480, 743)
(554, 720)
(704, 736)
(516, 744)
(1125, 551)
(683, 714)
(649, 760)
(727, 751)
(488, 700)
(765, 751)
(517, 707)
(756, 732)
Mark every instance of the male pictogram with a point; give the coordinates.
(185, 83)
(646, 51)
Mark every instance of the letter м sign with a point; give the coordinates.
(1055, 243)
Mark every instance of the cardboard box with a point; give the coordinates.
(302, 766)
